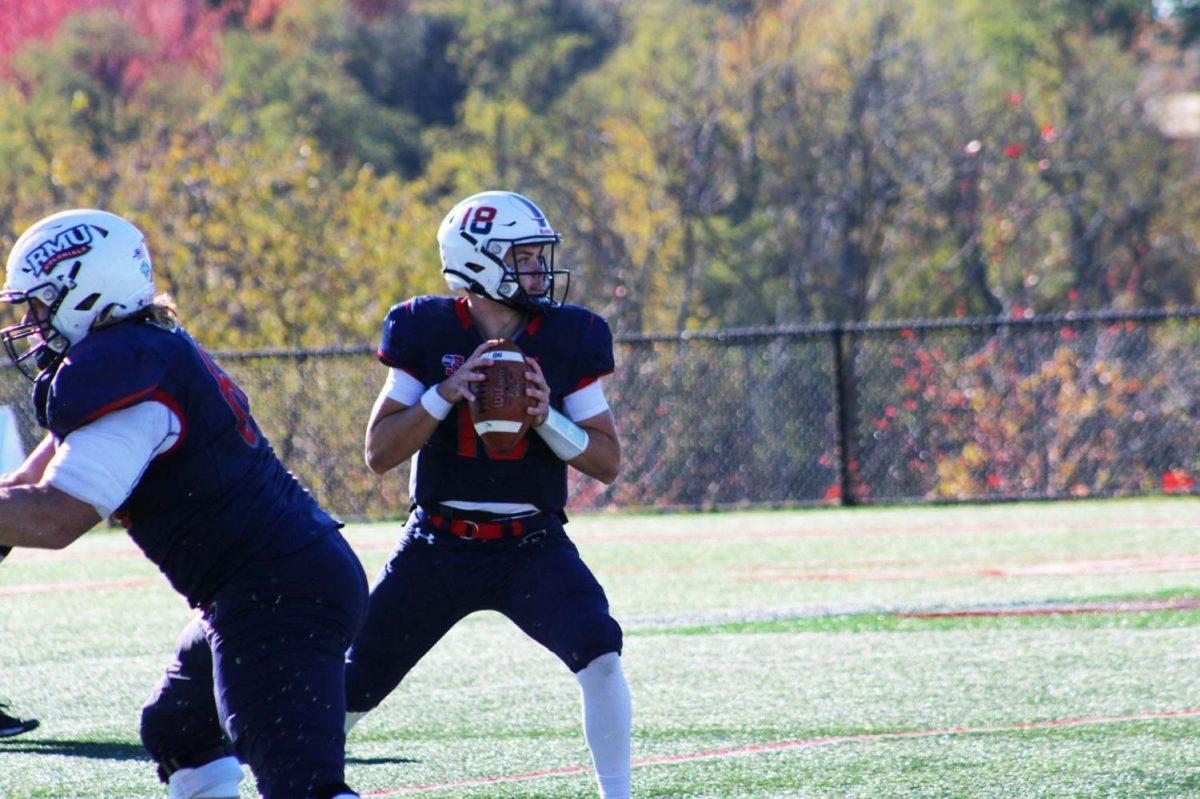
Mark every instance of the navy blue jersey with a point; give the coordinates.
(219, 496)
(430, 337)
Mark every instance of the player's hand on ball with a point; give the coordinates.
(460, 385)
(538, 391)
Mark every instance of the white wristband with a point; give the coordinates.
(434, 404)
(566, 439)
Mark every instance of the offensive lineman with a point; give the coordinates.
(486, 533)
(144, 426)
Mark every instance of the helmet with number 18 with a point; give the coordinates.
(480, 231)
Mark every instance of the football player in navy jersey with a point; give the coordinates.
(145, 427)
(486, 531)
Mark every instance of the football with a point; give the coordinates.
(499, 410)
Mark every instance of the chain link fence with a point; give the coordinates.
(977, 410)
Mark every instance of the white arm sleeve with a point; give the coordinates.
(586, 402)
(101, 462)
(403, 387)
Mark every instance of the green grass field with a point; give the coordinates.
(1040, 650)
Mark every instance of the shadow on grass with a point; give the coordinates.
(377, 761)
(114, 750)
(94, 750)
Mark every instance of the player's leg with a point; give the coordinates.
(11, 725)
(411, 607)
(558, 602)
(279, 633)
(607, 722)
(181, 728)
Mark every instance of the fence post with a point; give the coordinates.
(843, 393)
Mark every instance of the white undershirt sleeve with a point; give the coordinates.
(403, 387)
(586, 402)
(101, 462)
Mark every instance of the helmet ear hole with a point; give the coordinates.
(87, 303)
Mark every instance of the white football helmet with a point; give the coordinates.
(86, 266)
(477, 234)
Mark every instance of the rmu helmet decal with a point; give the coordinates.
(70, 243)
(87, 267)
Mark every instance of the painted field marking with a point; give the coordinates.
(766, 570)
(372, 543)
(986, 611)
(853, 531)
(1156, 564)
(46, 588)
(801, 743)
(1059, 609)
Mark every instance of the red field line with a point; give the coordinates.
(1147, 565)
(801, 743)
(78, 553)
(1157, 564)
(870, 566)
(46, 588)
(849, 531)
(1061, 609)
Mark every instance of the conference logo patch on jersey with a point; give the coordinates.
(70, 243)
(451, 362)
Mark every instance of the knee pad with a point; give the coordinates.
(159, 729)
(602, 668)
(338, 790)
(217, 779)
(596, 634)
(170, 765)
(353, 718)
(162, 734)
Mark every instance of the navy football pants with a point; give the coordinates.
(434, 579)
(267, 658)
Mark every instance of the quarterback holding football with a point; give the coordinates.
(488, 487)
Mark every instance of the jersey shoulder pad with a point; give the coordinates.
(112, 368)
(408, 324)
(594, 358)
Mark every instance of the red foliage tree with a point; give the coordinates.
(183, 30)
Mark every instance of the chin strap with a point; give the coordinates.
(41, 398)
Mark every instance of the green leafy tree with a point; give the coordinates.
(289, 83)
